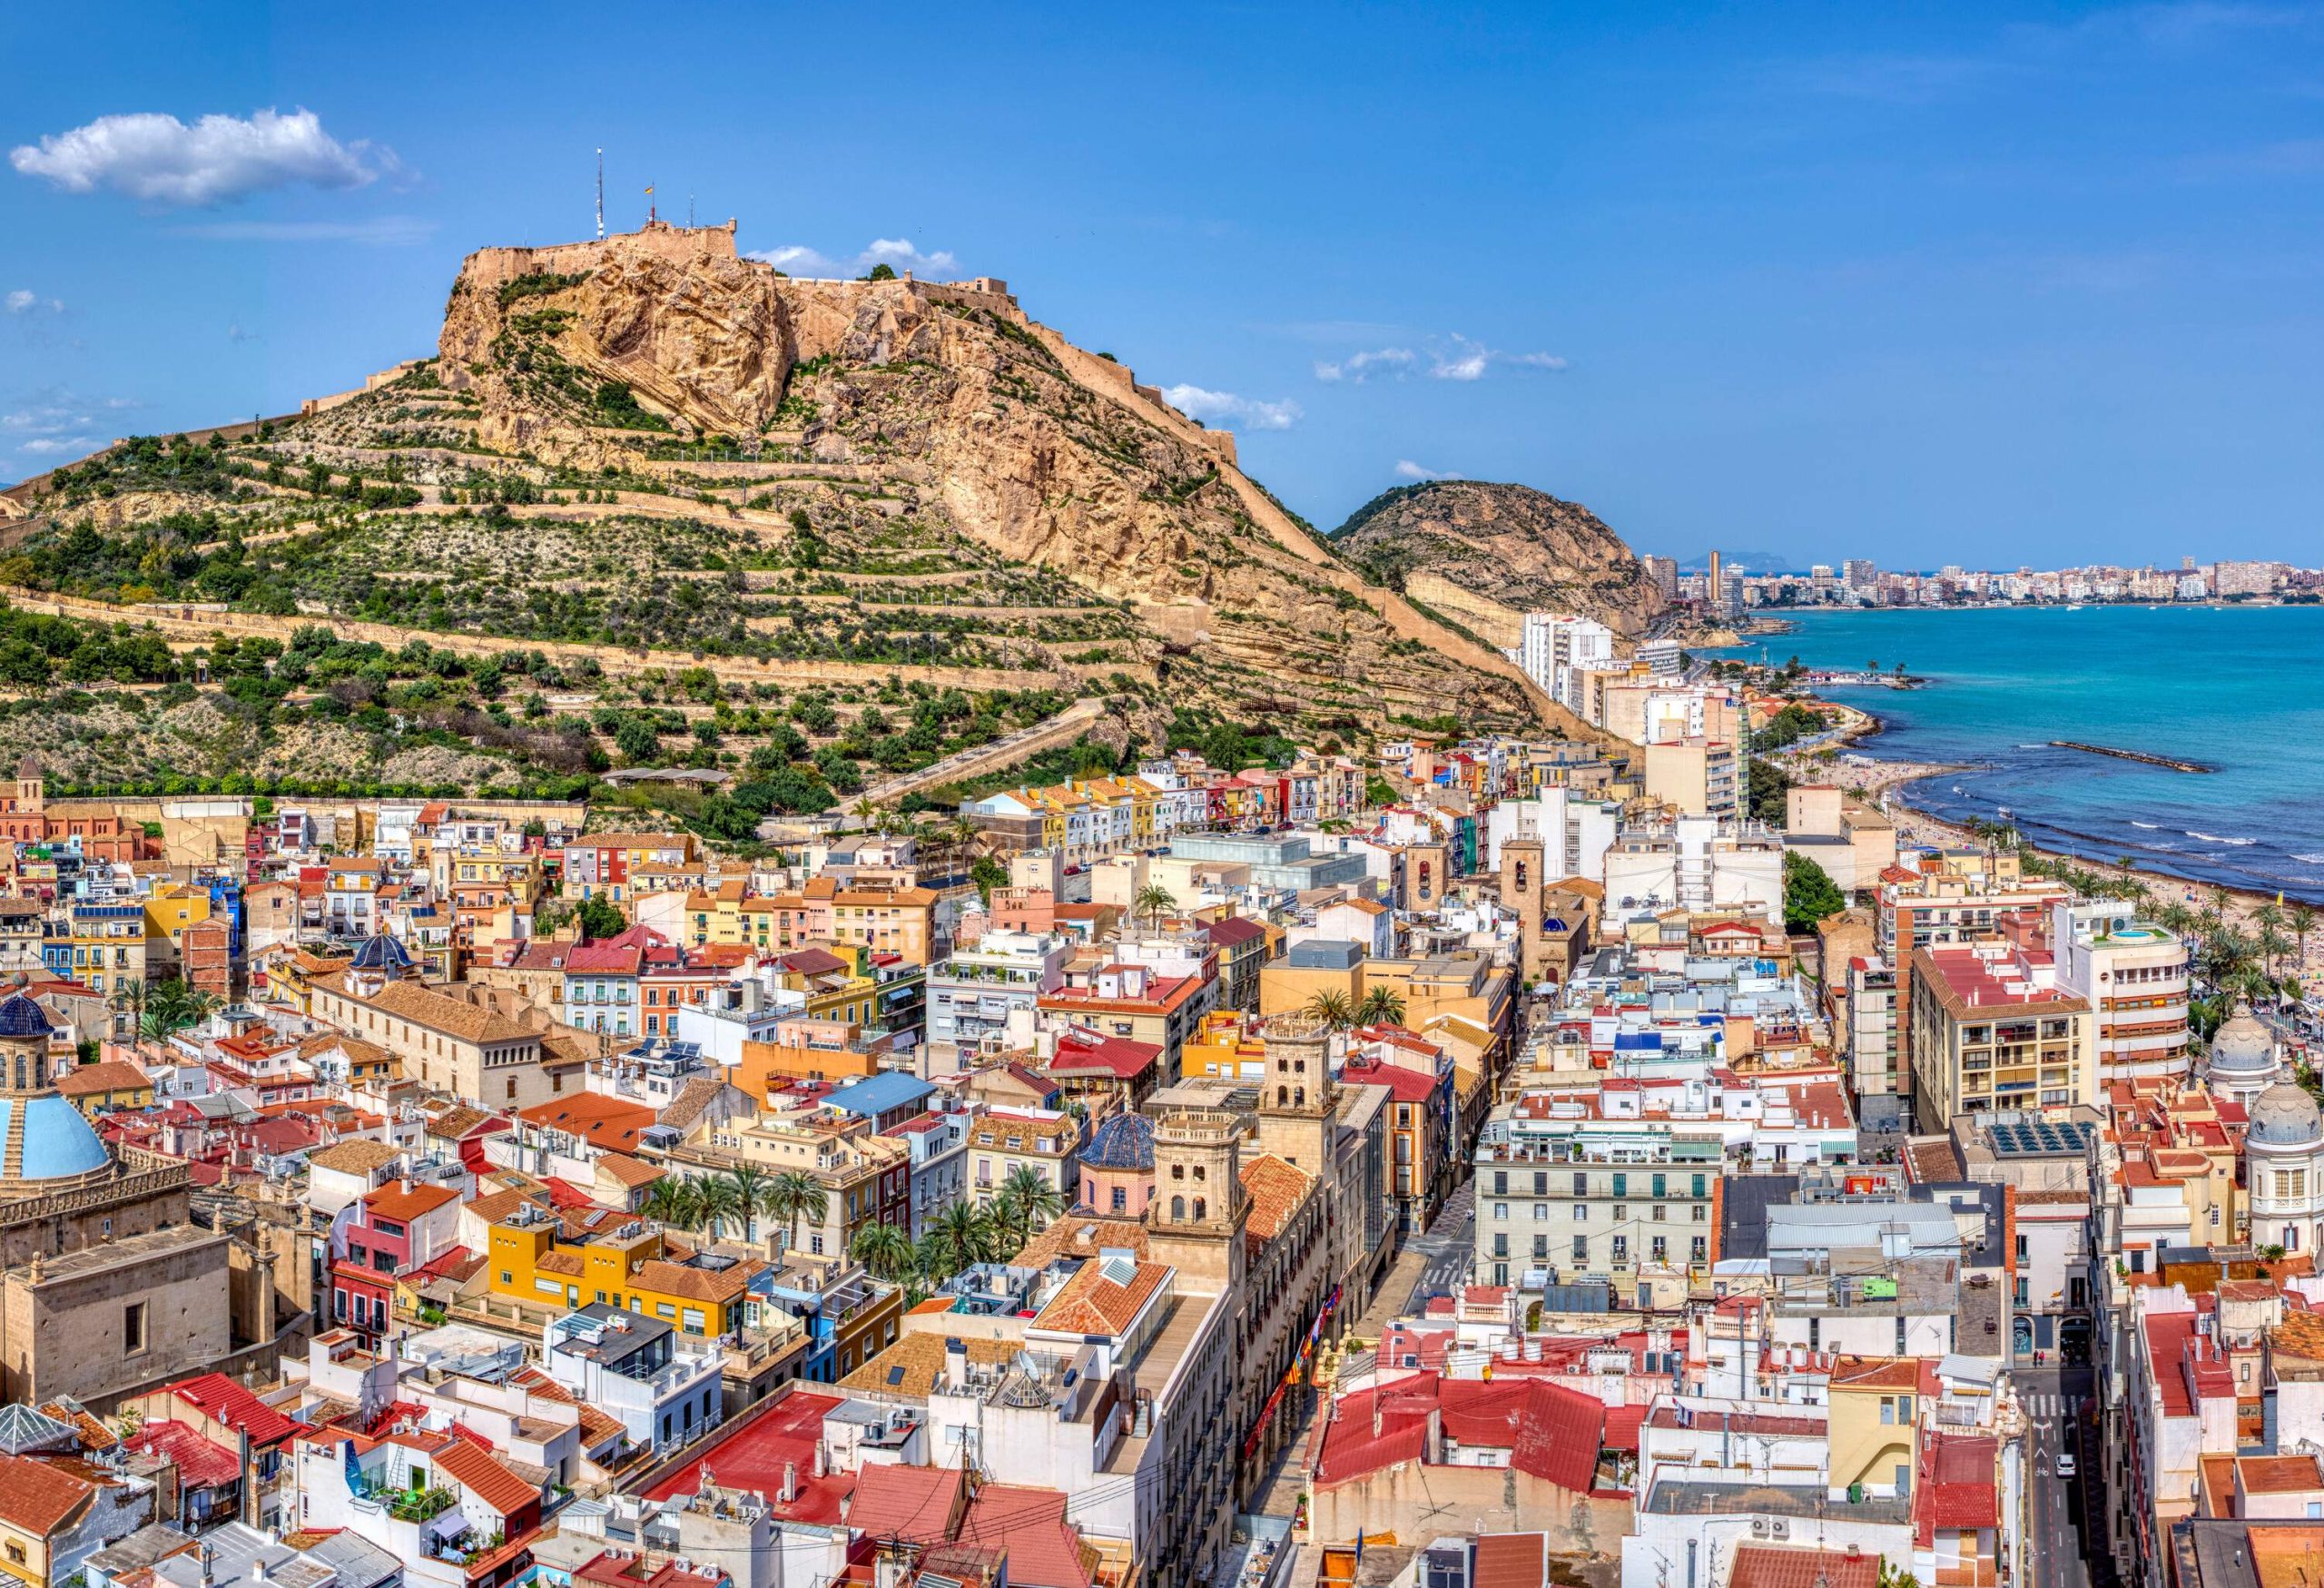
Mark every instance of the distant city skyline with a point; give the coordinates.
(2023, 285)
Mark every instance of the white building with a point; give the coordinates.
(2283, 1166)
(1700, 863)
(1555, 644)
(2134, 975)
(1575, 831)
(662, 1387)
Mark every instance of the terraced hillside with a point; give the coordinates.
(647, 455)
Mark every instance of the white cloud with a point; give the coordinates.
(1452, 357)
(160, 160)
(23, 300)
(1250, 412)
(235, 333)
(1408, 469)
(1358, 366)
(1469, 361)
(380, 231)
(898, 253)
(44, 445)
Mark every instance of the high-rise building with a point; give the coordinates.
(1663, 572)
(1555, 644)
(1857, 573)
(1715, 584)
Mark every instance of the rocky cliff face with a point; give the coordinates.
(1489, 554)
(946, 401)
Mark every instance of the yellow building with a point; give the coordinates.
(1875, 1402)
(169, 910)
(1227, 1047)
(720, 917)
(554, 1263)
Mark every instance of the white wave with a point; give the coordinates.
(2148, 825)
(2208, 838)
(2309, 858)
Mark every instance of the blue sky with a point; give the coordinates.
(1943, 283)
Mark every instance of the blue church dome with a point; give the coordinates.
(21, 1017)
(379, 952)
(58, 1141)
(1126, 1141)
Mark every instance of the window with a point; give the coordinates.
(1580, 1249)
(133, 1328)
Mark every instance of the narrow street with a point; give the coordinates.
(1433, 1263)
(2060, 1415)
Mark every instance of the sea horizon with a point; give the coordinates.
(2236, 687)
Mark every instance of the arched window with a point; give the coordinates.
(1299, 1097)
(1282, 1096)
(1177, 1207)
(1177, 1171)
(1200, 1173)
(1202, 1209)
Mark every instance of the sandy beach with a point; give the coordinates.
(1883, 784)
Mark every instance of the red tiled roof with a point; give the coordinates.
(483, 1474)
(1407, 1086)
(1044, 1550)
(229, 1403)
(1512, 1559)
(1958, 1487)
(201, 1463)
(405, 1200)
(602, 1122)
(38, 1498)
(1767, 1565)
(1080, 1051)
(1551, 1432)
(916, 1505)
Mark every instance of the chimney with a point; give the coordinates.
(956, 1362)
(790, 1482)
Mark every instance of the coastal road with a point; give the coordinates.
(2057, 1403)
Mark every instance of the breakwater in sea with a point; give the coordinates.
(2007, 689)
(2165, 762)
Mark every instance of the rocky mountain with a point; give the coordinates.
(1485, 555)
(655, 449)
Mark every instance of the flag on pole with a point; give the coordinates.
(649, 193)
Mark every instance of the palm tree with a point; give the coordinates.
(1335, 1008)
(677, 1202)
(959, 1235)
(1151, 901)
(794, 1195)
(718, 1204)
(172, 1007)
(746, 1192)
(2303, 921)
(1382, 1006)
(884, 1249)
(1031, 1198)
(2272, 945)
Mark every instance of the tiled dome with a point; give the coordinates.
(2286, 1116)
(1126, 1141)
(21, 1017)
(379, 952)
(2243, 1046)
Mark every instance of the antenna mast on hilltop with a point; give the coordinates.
(601, 195)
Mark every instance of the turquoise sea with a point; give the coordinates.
(2237, 688)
